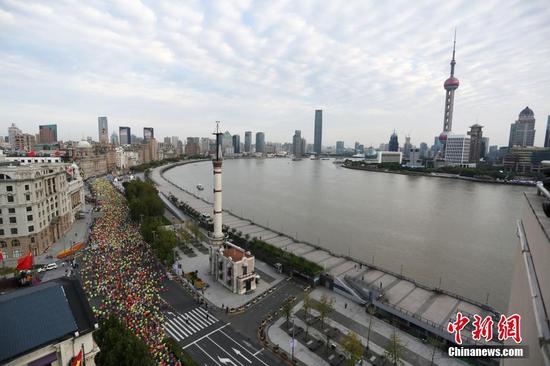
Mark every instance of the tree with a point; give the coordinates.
(307, 309)
(394, 350)
(287, 311)
(435, 343)
(353, 346)
(325, 306)
(119, 346)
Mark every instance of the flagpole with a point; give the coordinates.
(83, 356)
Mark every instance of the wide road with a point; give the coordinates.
(208, 335)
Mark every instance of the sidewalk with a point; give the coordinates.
(355, 318)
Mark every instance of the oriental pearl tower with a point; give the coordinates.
(450, 85)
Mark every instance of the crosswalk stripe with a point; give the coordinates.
(200, 318)
(191, 325)
(202, 310)
(171, 334)
(179, 329)
(182, 327)
(175, 331)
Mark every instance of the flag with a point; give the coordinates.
(25, 262)
(1, 256)
(77, 360)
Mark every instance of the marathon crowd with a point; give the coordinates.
(121, 274)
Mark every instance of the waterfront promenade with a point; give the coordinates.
(426, 308)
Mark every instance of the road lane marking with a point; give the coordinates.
(204, 336)
(225, 334)
(210, 357)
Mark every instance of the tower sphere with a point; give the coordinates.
(443, 137)
(451, 83)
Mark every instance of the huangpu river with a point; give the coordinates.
(457, 233)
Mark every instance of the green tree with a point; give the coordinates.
(394, 350)
(353, 346)
(119, 346)
(325, 306)
(287, 311)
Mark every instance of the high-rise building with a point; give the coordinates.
(476, 136)
(450, 85)
(318, 134)
(297, 144)
(125, 136)
(304, 146)
(547, 136)
(457, 149)
(174, 140)
(522, 132)
(114, 138)
(340, 149)
(247, 141)
(484, 146)
(24, 142)
(48, 134)
(12, 132)
(193, 146)
(148, 133)
(424, 150)
(135, 140)
(103, 130)
(205, 145)
(236, 144)
(167, 141)
(394, 143)
(260, 142)
(407, 146)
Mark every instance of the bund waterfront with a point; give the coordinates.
(433, 229)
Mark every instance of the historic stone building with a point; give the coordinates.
(38, 202)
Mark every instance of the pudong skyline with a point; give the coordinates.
(365, 87)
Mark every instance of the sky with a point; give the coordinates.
(178, 66)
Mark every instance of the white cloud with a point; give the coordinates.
(265, 65)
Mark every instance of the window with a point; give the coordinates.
(11, 210)
(10, 198)
(1, 232)
(13, 231)
(16, 253)
(32, 239)
(9, 188)
(26, 187)
(29, 209)
(1, 221)
(13, 220)
(31, 228)
(28, 196)
(15, 243)
(29, 217)
(3, 244)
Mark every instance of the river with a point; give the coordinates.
(457, 233)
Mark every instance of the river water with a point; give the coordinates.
(433, 229)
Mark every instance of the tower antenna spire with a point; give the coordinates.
(453, 62)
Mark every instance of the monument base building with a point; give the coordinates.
(233, 267)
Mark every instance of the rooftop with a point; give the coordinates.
(236, 253)
(37, 316)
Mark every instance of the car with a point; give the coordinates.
(51, 266)
(41, 269)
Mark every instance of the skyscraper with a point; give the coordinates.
(247, 141)
(114, 138)
(394, 143)
(522, 132)
(124, 135)
(407, 146)
(547, 136)
(236, 144)
(297, 144)
(148, 133)
(457, 150)
(13, 131)
(484, 147)
(340, 149)
(103, 130)
(48, 134)
(318, 135)
(260, 142)
(450, 85)
(476, 143)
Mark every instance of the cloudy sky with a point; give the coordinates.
(178, 66)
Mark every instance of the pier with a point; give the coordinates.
(424, 309)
